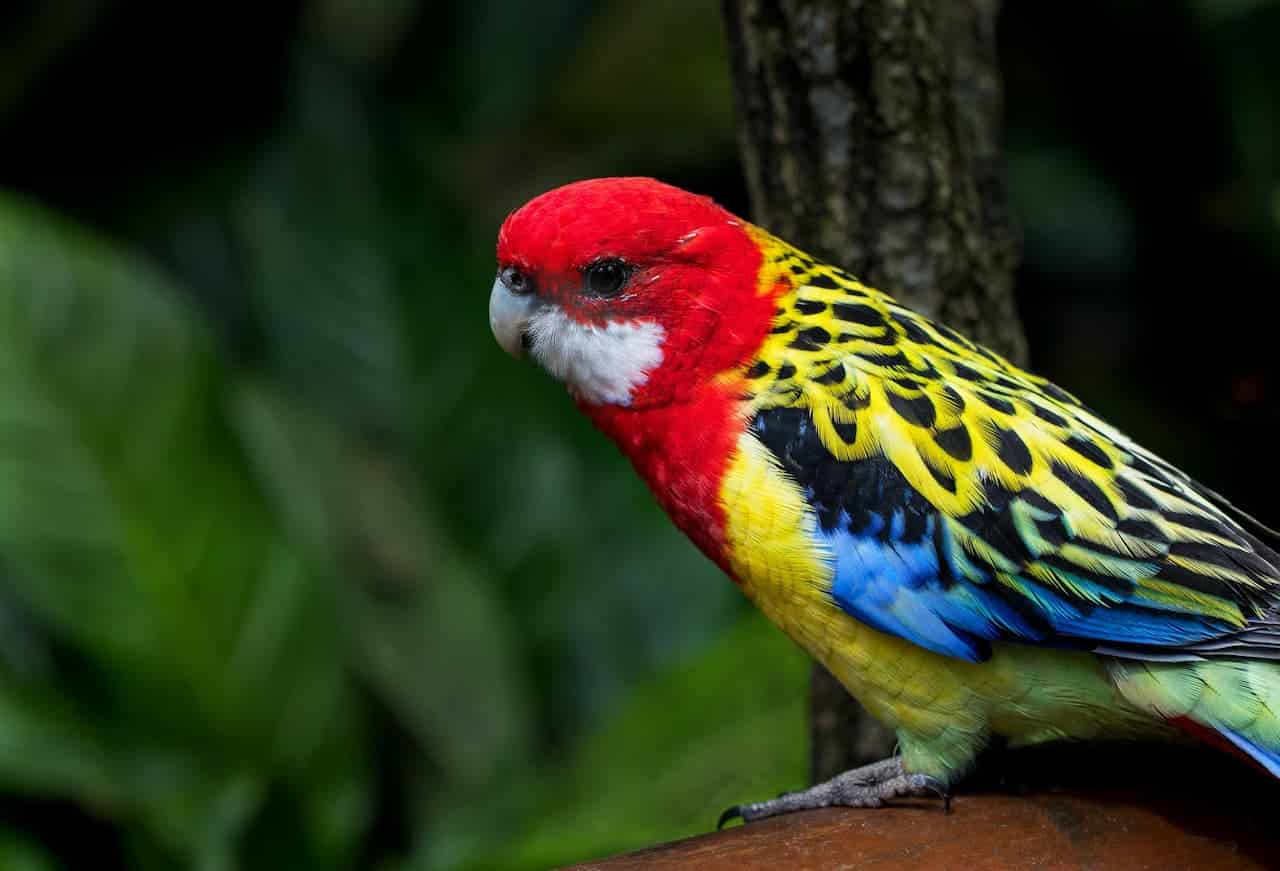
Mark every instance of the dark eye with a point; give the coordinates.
(606, 277)
(515, 280)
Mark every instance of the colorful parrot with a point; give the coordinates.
(964, 545)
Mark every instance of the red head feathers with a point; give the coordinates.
(633, 292)
(645, 300)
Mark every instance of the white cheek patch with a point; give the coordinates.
(603, 364)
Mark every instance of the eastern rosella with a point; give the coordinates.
(964, 545)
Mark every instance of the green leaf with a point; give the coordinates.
(724, 727)
(18, 853)
(133, 526)
(412, 605)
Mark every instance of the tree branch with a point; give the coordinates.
(869, 131)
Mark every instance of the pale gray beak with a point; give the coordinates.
(509, 315)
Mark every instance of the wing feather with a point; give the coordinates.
(1045, 523)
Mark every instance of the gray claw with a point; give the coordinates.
(868, 786)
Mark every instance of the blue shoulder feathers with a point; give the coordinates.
(897, 565)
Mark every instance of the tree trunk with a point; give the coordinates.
(869, 132)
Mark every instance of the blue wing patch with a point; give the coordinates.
(895, 585)
(897, 565)
(900, 586)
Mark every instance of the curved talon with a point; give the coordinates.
(729, 813)
(942, 790)
(937, 786)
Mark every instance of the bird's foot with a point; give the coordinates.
(869, 786)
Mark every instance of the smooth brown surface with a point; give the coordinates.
(1058, 807)
(982, 832)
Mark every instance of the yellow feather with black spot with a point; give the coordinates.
(1051, 525)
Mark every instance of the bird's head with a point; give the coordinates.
(630, 291)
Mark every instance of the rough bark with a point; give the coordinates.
(870, 132)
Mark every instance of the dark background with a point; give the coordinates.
(296, 568)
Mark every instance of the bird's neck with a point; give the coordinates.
(682, 451)
(682, 432)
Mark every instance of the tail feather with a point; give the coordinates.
(1228, 704)
(1230, 741)
(1267, 758)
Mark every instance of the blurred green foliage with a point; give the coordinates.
(296, 569)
